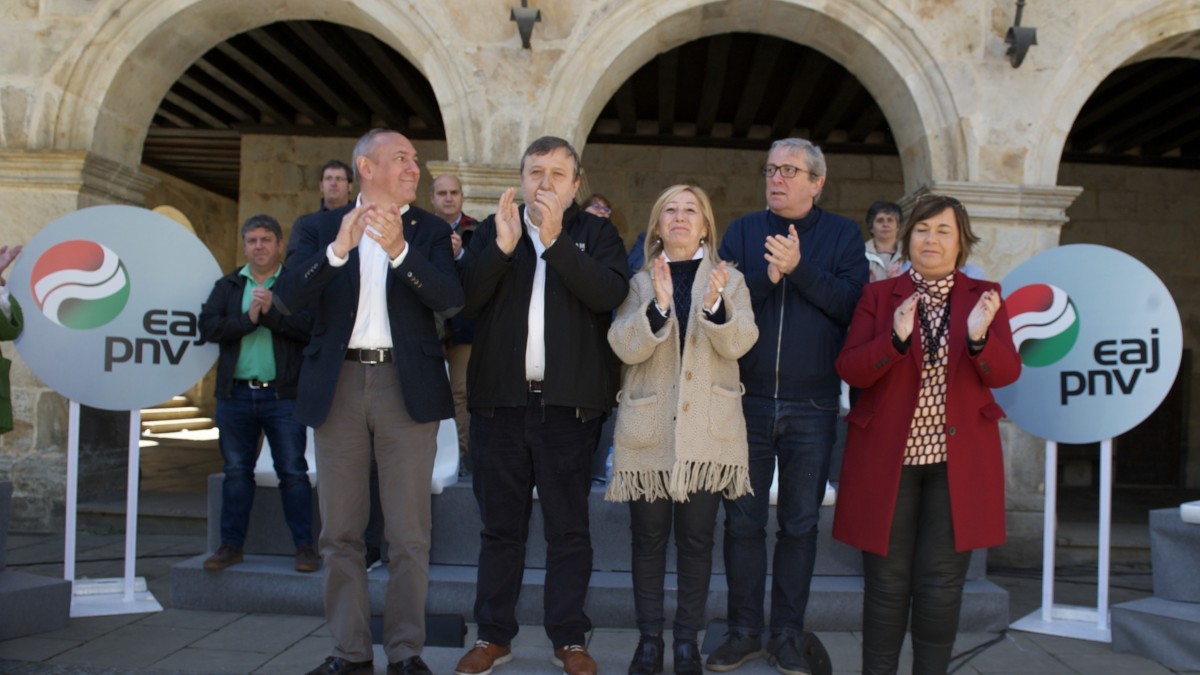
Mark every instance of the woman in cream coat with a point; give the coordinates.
(680, 442)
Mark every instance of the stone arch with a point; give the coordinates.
(1155, 29)
(105, 88)
(867, 38)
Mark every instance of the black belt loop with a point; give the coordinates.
(370, 357)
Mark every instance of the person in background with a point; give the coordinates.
(12, 321)
(883, 251)
(257, 375)
(336, 180)
(598, 205)
(447, 196)
(680, 443)
(922, 482)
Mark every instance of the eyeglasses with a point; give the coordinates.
(601, 209)
(786, 170)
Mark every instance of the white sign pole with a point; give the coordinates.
(1083, 623)
(72, 489)
(105, 597)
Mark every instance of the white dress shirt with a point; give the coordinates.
(371, 327)
(535, 346)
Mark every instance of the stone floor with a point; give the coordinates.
(187, 641)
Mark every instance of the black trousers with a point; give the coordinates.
(694, 522)
(514, 450)
(921, 572)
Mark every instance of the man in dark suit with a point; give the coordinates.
(373, 382)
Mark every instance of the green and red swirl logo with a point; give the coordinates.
(80, 284)
(1044, 323)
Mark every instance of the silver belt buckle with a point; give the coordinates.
(256, 384)
(377, 353)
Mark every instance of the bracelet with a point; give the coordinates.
(664, 312)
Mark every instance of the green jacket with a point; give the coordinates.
(9, 330)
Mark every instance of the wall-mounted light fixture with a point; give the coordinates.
(525, 18)
(1019, 39)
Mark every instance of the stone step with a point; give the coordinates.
(173, 402)
(1079, 544)
(171, 425)
(173, 413)
(6, 490)
(158, 513)
(32, 604)
(268, 584)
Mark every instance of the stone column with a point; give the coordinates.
(1014, 222)
(35, 189)
(482, 185)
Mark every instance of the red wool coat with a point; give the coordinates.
(879, 422)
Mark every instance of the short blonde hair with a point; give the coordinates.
(654, 245)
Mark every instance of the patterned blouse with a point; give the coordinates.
(927, 436)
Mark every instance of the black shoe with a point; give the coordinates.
(687, 658)
(337, 666)
(413, 665)
(648, 658)
(307, 559)
(786, 652)
(737, 649)
(373, 557)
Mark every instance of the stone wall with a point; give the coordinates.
(1151, 215)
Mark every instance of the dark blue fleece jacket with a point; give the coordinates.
(802, 320)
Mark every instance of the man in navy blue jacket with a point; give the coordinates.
(805, 268)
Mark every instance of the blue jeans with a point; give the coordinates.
(800, 434)
(242, 419)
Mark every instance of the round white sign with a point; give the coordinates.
(111, 297)
(1100, 342)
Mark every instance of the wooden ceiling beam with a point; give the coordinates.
(297, 64)
(766, 52)
(803, 83)
(425, 108)
(214, 97)
(869, 119)
(275, 114)
(626, 107)
(668, 85)
(269, 81)
(836, 108)
(715, 67)
(368, 92)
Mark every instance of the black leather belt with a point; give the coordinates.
(370, 357)
(535, 386)
(253, 384)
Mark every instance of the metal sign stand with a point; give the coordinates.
(103, 597)
(1084, 623)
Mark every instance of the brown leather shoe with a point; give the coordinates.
(482, 658)
(574, 660)
(307, 559)
(224, 557)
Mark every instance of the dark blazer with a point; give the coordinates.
(425, 283)
(222, 321)
(880, 421)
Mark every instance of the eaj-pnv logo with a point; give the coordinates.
(1044, 324)
(80, 284)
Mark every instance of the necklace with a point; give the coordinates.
(932, 335)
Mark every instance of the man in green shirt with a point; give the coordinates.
(257, 373)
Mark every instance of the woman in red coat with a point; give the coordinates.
(922, 480)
